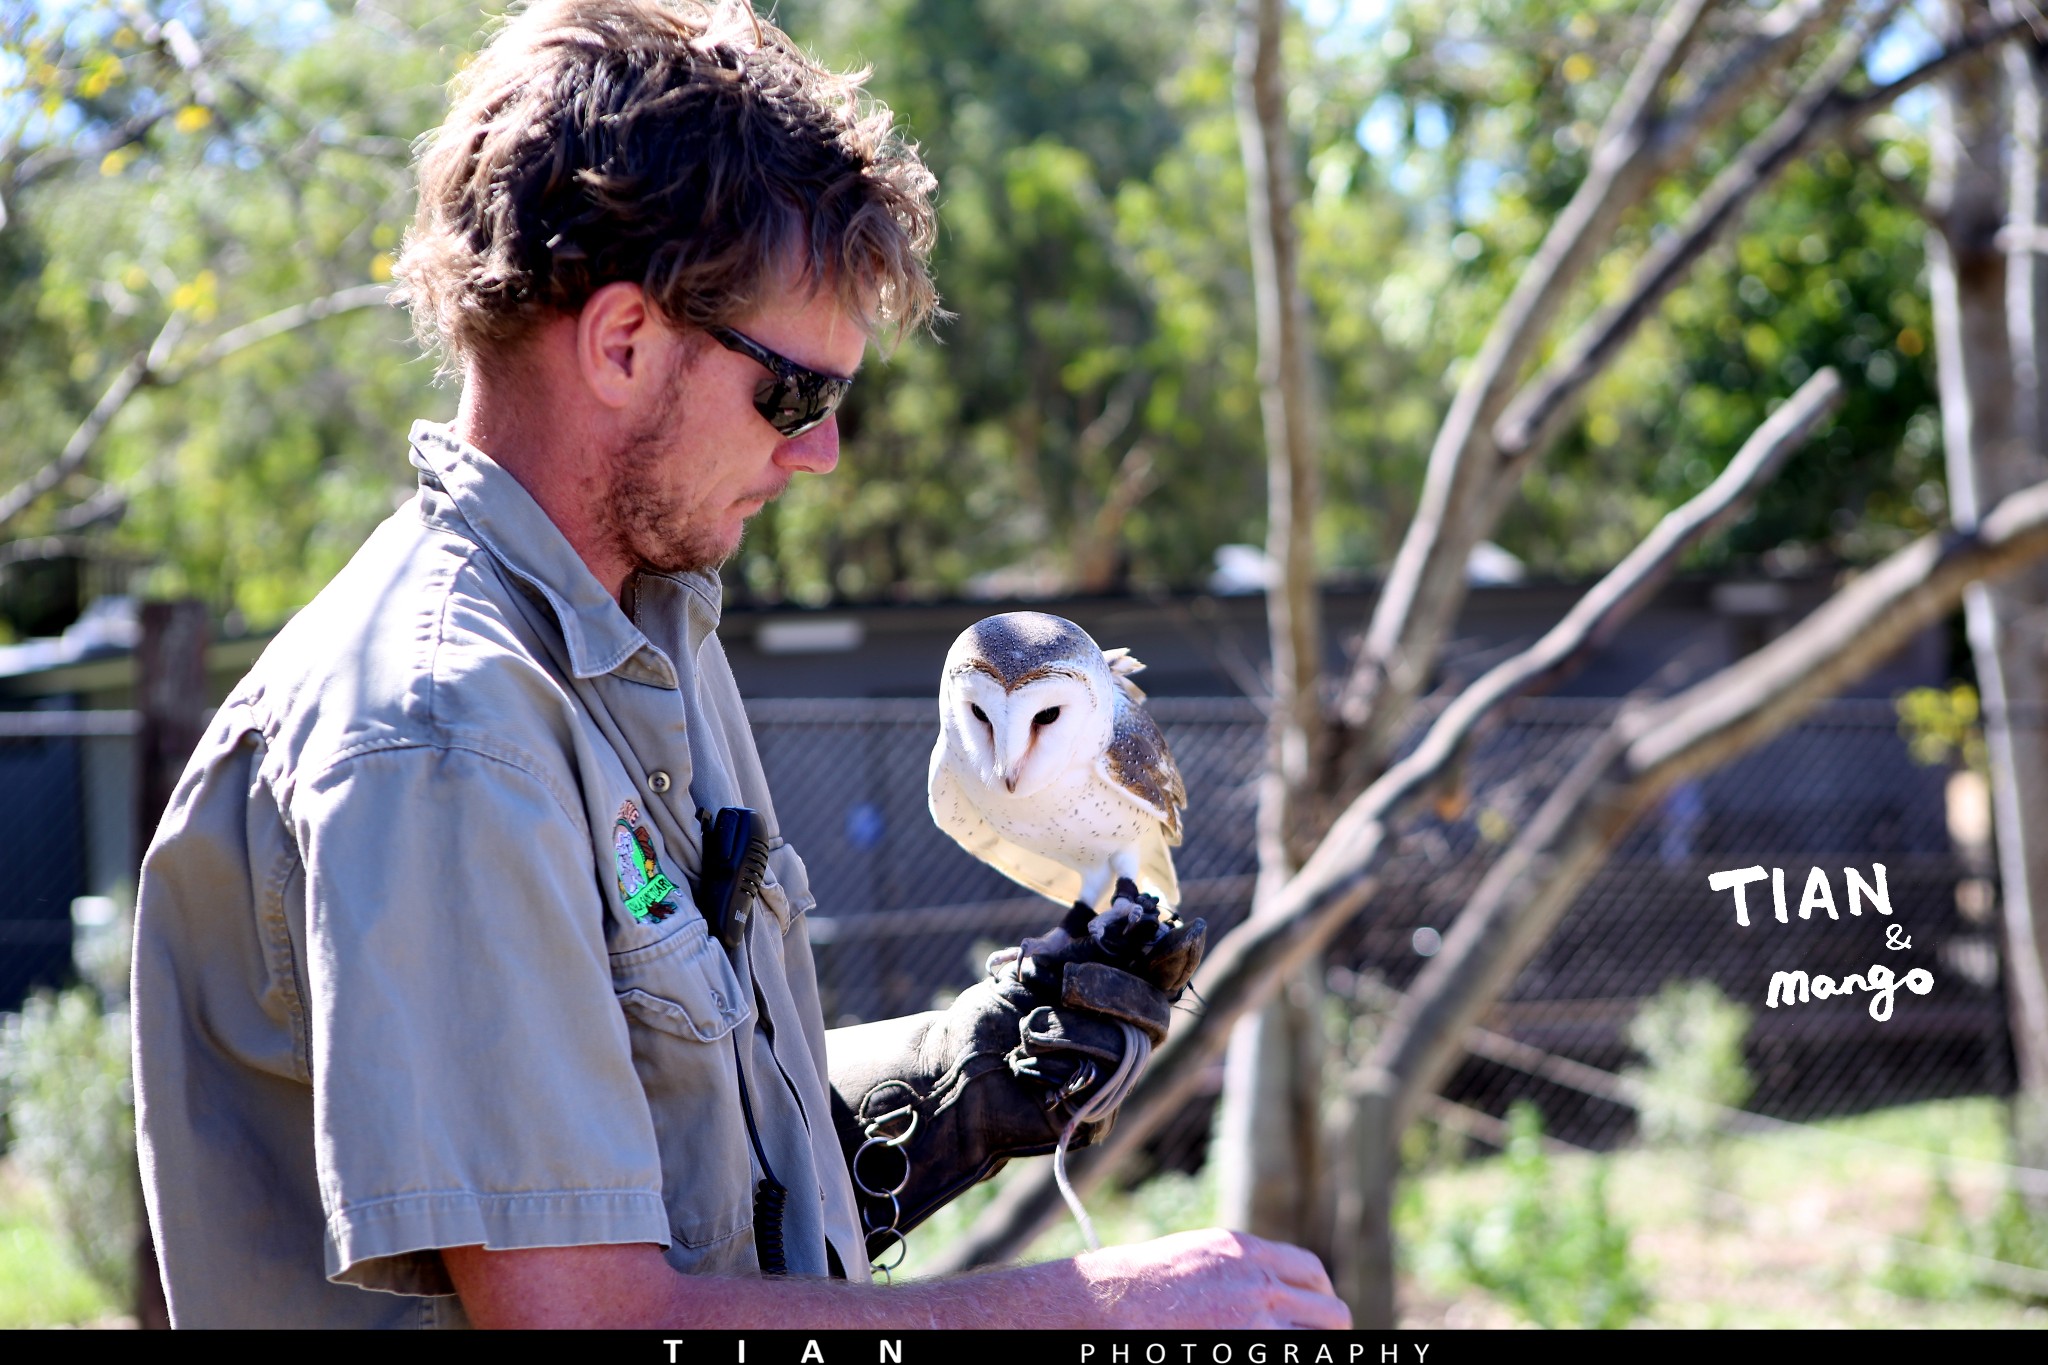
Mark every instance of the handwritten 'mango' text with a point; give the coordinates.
(1879, 981)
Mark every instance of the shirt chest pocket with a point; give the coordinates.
(682, 1001)
(683, 985)
(786, 886)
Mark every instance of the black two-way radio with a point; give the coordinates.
(735, 860)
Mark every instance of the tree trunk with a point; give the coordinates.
(1268, 1141)
(1989, 349)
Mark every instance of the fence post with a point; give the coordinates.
(170, 699)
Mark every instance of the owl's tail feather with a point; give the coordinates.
(1107, 1097)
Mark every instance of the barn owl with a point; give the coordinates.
(1047, 767)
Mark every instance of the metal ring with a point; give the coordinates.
(895, 1216)
(873, 1128)
(902, 1249)
(869, 1190)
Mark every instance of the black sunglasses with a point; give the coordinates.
(796, 398)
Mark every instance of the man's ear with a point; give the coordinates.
(620, 344)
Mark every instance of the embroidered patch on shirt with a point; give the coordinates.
(644, 889)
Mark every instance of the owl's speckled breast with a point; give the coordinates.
(1093, 821)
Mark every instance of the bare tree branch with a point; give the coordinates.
(274, 324)
(1426, 580)
(1118, 408)
(1469, 483)
(152, 369)
(45, 160)
(1268, 1148)
(108, 503)
(127, 380)
(1787, 32)
(1342, 875)
(1288, 419)
(1618, 596)
(1136, 475)
(1525, 422)
(174, 43)
(1849, 633)
(1622, 774)
(2015, 239)
(1820, 110)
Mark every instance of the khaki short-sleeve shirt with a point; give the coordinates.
(417, 963)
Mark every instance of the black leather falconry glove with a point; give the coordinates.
(930, 1104)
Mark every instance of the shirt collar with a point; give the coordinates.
(511, 525)
(683, 606)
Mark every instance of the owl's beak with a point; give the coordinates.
(1008, 777)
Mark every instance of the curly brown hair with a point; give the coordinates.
(684, 145)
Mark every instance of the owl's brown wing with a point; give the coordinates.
(1139, 764)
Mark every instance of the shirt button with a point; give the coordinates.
(657, 782)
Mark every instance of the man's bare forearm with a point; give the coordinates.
(1192, 1279)
(633, 1286)
(1053, 1294)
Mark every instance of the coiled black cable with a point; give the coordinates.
(769, 1195)
(769, 1198)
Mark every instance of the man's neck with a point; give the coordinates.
(555, 456)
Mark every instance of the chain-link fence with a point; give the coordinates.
(1838, 792)
(905, 917)
(66, 830)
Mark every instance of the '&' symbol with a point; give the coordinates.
(1895, 936)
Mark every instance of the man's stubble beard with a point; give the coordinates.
(652, 528)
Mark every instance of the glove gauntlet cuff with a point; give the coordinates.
(929, 1105)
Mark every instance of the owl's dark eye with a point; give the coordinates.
(1047, 716)
(978, 713)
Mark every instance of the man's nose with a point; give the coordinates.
(814, 452)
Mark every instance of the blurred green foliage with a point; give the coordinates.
(40, 1286)
(1690, 1035)
(1089, 418)
(1944, 725)
(1556, 1256)
(1954, 1255)
(273, 174)
(65, 1092)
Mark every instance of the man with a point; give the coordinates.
(436, 1019)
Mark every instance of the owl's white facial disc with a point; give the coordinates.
(975, 709)
(1021, 742)
(1052, 726)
